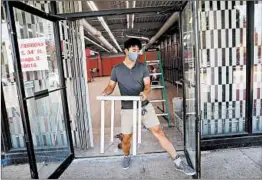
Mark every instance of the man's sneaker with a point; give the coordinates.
(126, 162)
(185, 168)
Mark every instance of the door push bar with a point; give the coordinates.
(136, 123)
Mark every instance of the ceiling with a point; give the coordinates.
(146, 24)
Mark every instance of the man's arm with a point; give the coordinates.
(147, 88)
(147, 84)
(110, 88)
(112, 83)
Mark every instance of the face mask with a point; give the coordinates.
(132, 56)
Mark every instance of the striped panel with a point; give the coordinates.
(223, 57)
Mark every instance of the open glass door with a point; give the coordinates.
(190, 80)
(34, 50)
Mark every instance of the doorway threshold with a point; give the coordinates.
(149, 144)
(118, 156)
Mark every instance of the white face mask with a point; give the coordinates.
(132, 56)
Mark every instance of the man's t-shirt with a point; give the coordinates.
(130, 81)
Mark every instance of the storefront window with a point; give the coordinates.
(257, 76)
(11, 122)
(10, 91)
(39, 64)
(40, 75)
(223, 66)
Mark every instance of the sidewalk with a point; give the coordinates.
(220, 164)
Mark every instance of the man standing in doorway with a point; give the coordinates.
(133, 80)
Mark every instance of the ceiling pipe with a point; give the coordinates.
(90, 40)
(127, 16)
(94, 37)
(94, 32)
(171, 20)
(93, 7)
(133, 15)
(144, 38)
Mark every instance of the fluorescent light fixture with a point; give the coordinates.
(145, 38)
(133, 15)
(127, 16)
(96, 44)
(93, 7)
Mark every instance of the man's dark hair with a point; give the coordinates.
(133, 42)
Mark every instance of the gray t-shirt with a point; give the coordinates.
(130, 81)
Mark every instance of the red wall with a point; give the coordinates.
(106, 63)
(149, 56)
(94, 62)
(109, 62)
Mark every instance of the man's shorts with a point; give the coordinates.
(149, 120)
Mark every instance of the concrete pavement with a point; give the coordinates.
(239, 163)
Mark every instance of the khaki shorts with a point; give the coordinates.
(149, 120)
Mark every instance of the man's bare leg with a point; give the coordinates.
(126, 150)
(163, 140)
(168, 146)
(126, 143)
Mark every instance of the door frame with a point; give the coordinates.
(194, 9)
(197, 89)
(9, 5)
(6, 142)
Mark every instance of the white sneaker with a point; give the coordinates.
(183, 167)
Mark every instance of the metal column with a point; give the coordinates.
(196, 28)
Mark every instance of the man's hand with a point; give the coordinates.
(144, 96)
(109, 89)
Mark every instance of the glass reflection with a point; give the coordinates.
(189, 79)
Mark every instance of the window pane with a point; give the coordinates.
(48, 131)
(223, 66)
(189, 78)
(12, 167)
(39, 66)
(37, 53)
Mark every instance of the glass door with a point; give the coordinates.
(191, 116)
(34, 55)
